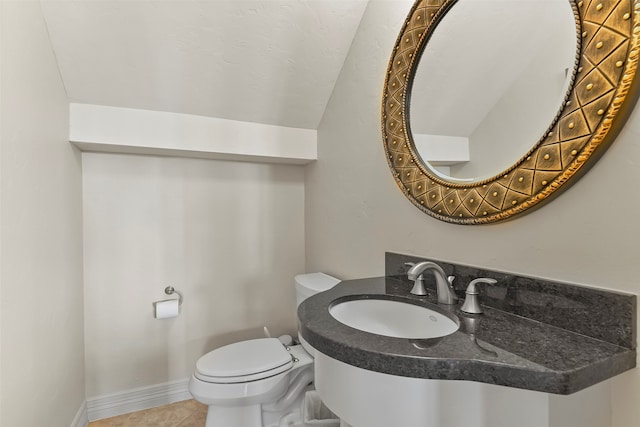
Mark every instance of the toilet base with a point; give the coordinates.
(255, 415)
(245, 416)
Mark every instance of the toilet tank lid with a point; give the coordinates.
(316, 281)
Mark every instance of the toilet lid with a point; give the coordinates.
(244, 361)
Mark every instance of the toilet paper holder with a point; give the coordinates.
(170, 290)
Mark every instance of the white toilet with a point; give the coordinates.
(259, 382)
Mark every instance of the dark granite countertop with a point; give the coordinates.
(496, 347)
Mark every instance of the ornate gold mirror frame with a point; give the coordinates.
(600, 98)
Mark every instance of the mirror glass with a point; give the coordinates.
(490, 81)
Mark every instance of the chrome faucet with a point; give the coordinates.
(443, 283)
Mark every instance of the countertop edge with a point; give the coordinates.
(556, 382)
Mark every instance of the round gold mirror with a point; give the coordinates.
(473, 142)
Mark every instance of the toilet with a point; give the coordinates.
(258, 382)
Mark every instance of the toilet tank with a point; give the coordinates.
(311, 284)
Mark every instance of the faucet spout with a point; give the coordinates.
(443, 287)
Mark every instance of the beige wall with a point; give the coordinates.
(229, 235)
(354, 211)
(41, 259)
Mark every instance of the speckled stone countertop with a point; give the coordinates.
(496, 347)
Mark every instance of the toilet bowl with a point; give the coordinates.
(256, 383)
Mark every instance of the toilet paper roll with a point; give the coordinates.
(166, 309)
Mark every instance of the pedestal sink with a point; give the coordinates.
(393, 318)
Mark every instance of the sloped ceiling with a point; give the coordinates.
(269, 61)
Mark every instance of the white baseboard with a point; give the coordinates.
(81, 419)
(138, 399)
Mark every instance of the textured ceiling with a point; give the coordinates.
(270, 61)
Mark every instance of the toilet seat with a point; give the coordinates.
(244, 361)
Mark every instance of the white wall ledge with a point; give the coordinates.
(98, 128)
(442, 150)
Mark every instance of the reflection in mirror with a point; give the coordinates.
(489, 83)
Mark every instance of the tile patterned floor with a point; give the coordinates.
(182, 414)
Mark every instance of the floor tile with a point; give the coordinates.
(188, 413)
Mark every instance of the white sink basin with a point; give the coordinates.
(393, 318)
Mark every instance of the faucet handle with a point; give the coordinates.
(471, 304)
(410, 265)
(418, 284)
(471, 288)
(418, 287)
